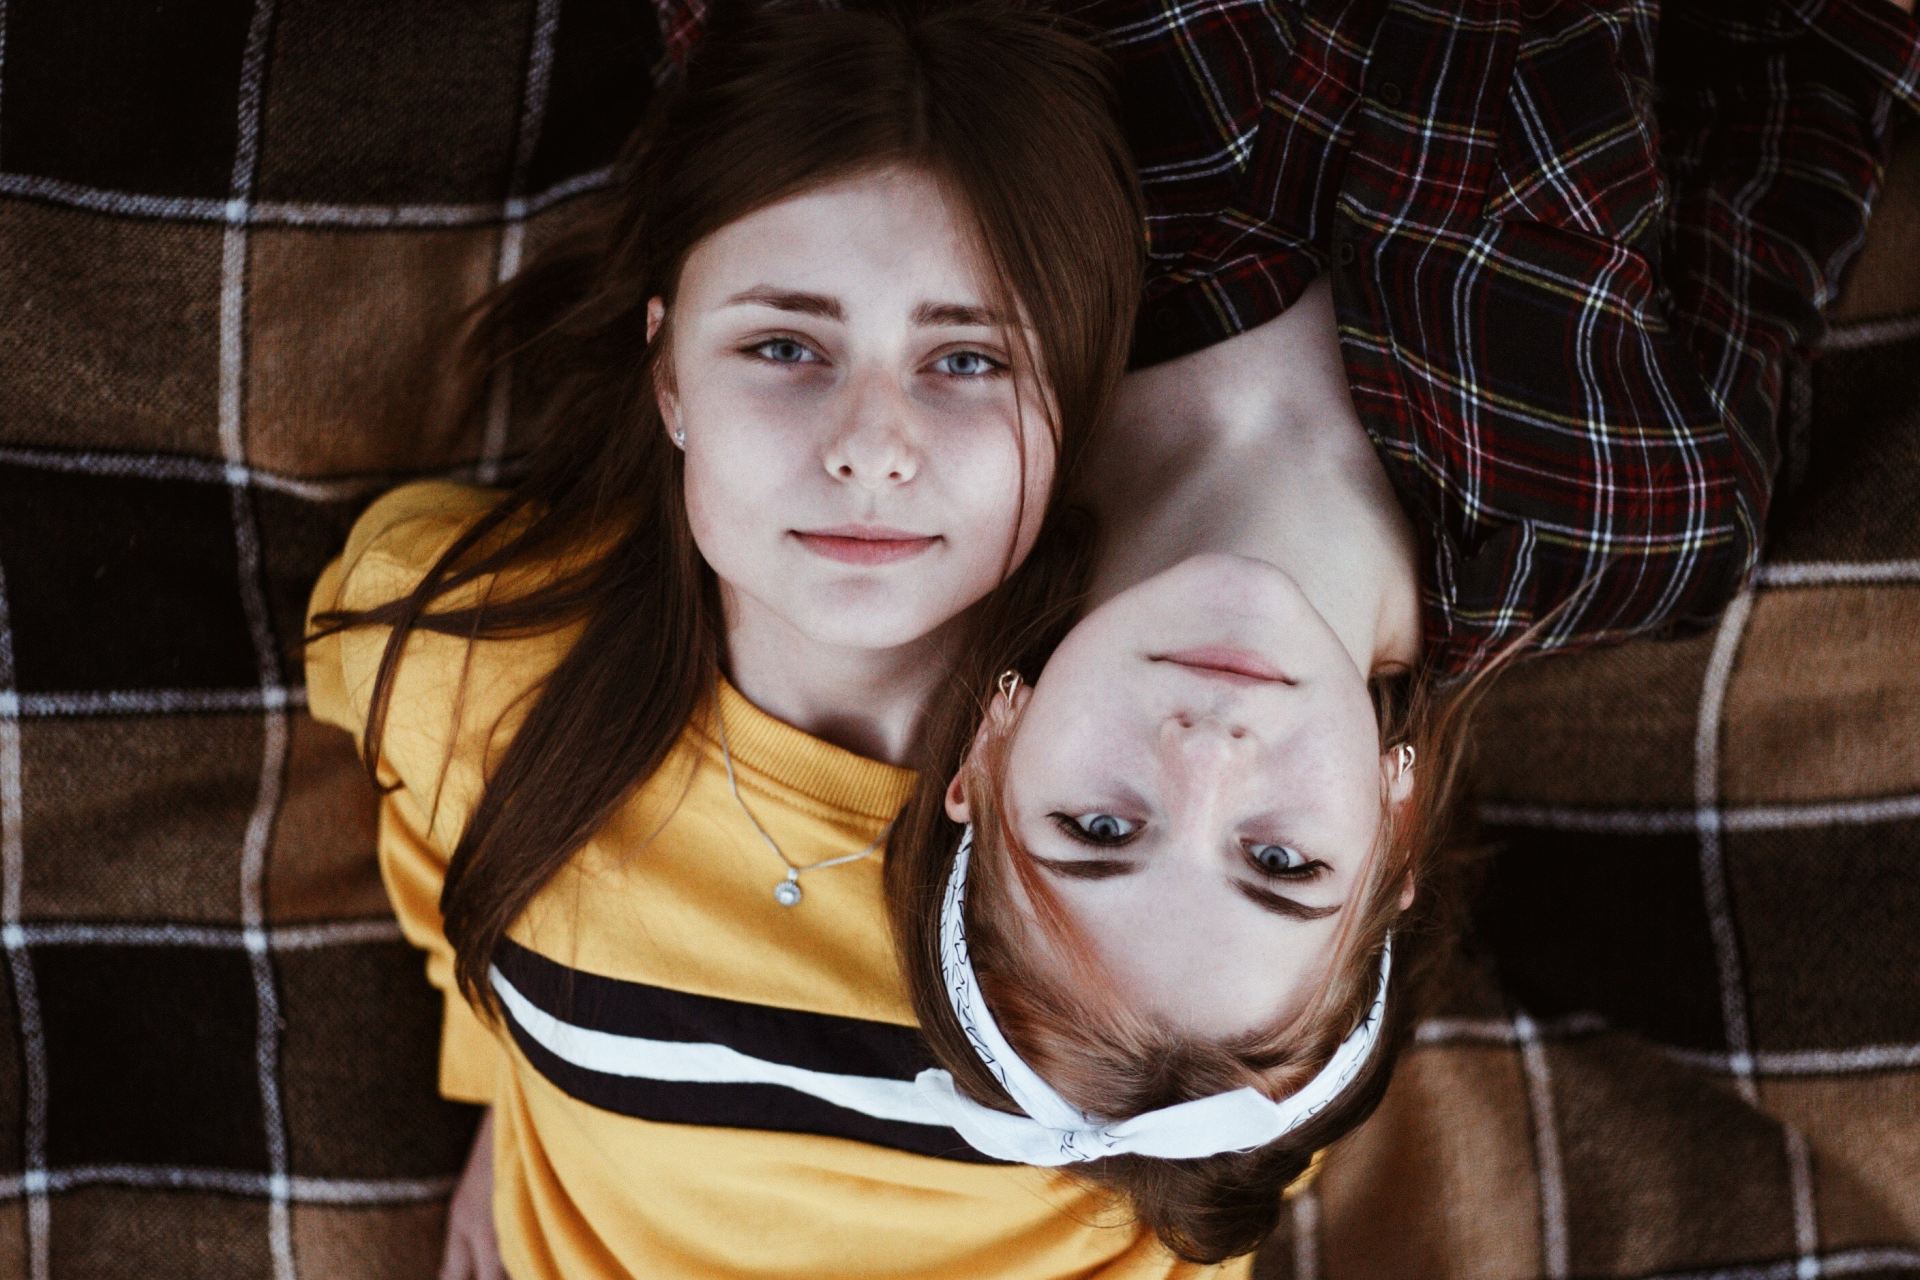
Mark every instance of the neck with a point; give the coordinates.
(1252, 446)
(867, 701)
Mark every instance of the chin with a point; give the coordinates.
(1225, 571)
(858, 627)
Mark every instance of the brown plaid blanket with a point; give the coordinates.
(1684, 1038)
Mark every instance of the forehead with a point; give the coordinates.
(1199, 964)
(889, 234)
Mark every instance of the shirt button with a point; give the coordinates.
(1344, 253)
(1390, 94)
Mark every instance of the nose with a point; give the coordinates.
(874, 446)
(1203, 742)
(1203, 759)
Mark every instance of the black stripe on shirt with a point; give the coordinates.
(811, 1041)
(795, 1038)
(739, 1106)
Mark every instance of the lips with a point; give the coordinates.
(864, 544)
(1226, 663)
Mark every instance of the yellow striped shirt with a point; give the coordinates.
(689, 1079)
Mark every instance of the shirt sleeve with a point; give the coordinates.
(1776, 123)
(413, 847)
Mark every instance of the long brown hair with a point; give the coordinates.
(1111, 1061)
(1014, 115)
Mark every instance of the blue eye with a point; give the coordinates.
(968, 364)
(1096, 828)
(1279, 860)
(784, 351)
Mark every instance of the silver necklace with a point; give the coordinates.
(787, 892)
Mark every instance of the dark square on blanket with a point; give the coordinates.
(1828, 931)
(369, 102)
(134, 98)
(1466, 984)
(1869, 425)
(358, 1073)
(112, 337)
(1605, 923)
(13, 1082)
(122, 582)
(137, 817)
(152, 1056)
(298, 536)
(604, 57)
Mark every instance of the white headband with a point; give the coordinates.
(1055, 1132)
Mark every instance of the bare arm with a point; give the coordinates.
(472, 1249)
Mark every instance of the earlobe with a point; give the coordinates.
(1006, 707)
(663, 397)
(670, 416)
(957, 807)
(1001, 712)
(1399, 763)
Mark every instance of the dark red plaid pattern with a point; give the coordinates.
(1568, 289)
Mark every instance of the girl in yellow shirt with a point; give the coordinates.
(806, 393)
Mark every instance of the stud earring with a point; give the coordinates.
(1009, 683)
(680, 438)
(1403, 755)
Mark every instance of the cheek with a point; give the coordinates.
(723, 480)
(1339, 762)
(984, 475)
(712, 531)
(741, 454)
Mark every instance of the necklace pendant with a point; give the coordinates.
(787, 892)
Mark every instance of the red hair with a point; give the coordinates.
(1112, 1060)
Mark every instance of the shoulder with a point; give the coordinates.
(394, 542)
(398, 538)
(454, 701)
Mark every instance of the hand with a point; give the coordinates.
(473, 1251)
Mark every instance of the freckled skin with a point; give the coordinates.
(873, 418)
(1207, 769)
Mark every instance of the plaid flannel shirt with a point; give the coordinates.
(1567, 292)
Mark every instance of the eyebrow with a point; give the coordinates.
(927, 314)
(955, 314)
(1109, 868)
(1268, 900)
(1086, 868)
(806, 304)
